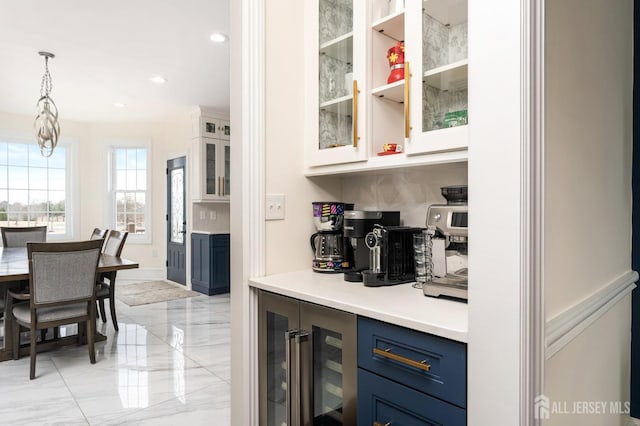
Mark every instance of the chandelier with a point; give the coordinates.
(46, 123)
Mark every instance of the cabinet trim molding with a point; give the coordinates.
(568, 324)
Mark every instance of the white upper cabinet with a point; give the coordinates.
(387, 84)
(437, 33)
(211, 159)
(336, 81)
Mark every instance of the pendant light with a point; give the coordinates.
(46, 122)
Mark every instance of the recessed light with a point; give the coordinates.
(158, 79)
(218, 37)
(119, 105)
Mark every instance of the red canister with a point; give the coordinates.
(395, 56)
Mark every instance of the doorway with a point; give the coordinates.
(176, 221)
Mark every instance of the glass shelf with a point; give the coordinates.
(340, 48)
(448, 77)
(391, 92)
(391, 25)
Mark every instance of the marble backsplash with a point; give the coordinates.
(211, 217)
(335, 129)
(436, 103)
(410, 191)
(336, 19)
(333, 83)
(443, 44)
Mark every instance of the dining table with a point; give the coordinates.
(14, 269)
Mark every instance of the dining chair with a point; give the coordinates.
(107, 282)
(98, 234)
(62, 279)
(17, 236)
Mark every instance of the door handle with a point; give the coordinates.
(407, 100)
(288, 335)
(305, 389)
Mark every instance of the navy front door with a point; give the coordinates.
(176, 221)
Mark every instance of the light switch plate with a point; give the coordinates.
(274, 207)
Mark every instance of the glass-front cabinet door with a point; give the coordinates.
(437, 46)
(226, 176)
(307, 363)
(335, 69)
(211, 176)
(212, 171)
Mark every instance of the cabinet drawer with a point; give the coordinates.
(382, 401)
(427, 363)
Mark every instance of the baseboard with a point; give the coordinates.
(143, 274)
(564, 327)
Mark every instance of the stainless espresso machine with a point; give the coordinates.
(449, 225)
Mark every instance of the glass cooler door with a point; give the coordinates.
(328, 389)
(277, 317)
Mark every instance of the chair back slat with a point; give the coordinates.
(63, 272)
(114, 243)
(18, 236)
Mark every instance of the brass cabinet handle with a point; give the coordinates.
(407, 119)
(380, 424)
(288, 336)
(355, 113)
(386, 353)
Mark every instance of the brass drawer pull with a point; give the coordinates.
(380, 424)
(386, 353)
(354, 113)
(407, 119)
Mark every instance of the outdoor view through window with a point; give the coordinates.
(130, 172)
(32, 187)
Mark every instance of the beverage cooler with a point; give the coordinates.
(307, 362)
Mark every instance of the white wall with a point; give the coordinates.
(592, 368)
(168, 140)
(287, 241)
(588, 148)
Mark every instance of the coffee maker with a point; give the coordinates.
(449, 225)
(328, 243)
(391, 258)
(357, 224)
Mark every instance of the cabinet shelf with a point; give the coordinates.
(448, 77)
(392, 92)
(340, 48)
(391, 25)
(336, 105)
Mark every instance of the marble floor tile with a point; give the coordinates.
(168, 364)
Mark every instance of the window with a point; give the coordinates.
(131, 204)
(33, 188)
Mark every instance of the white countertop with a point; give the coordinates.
(399, 304)
(210, 232)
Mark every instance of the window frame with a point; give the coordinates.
(135, 144)
(71, 183)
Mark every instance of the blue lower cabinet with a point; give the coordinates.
(210, 263)
(384, 402)
(427, 363)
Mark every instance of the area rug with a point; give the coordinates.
(151, 292)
